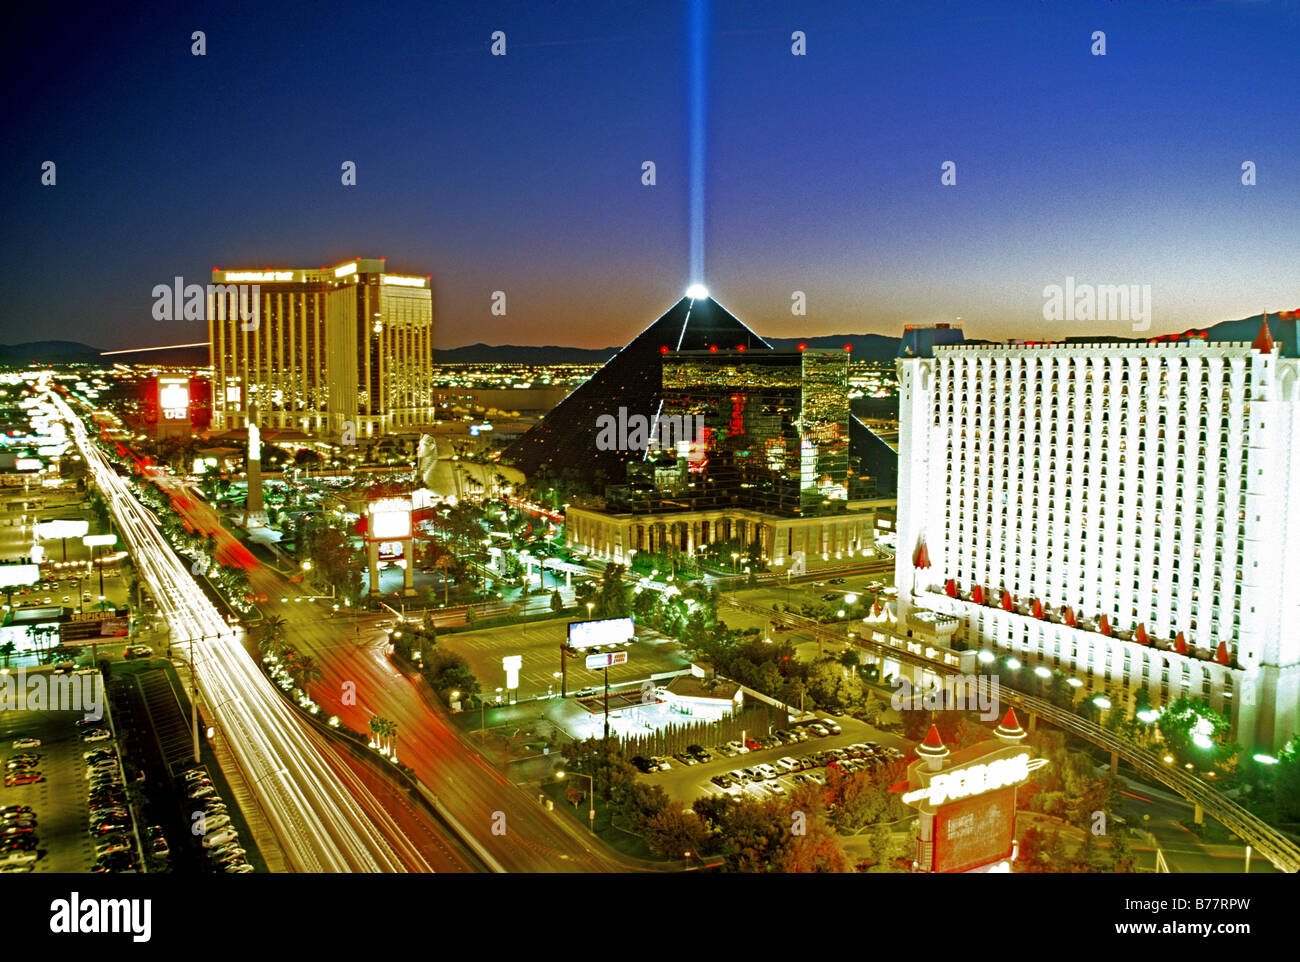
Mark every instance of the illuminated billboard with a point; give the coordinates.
(975, 831)
(603, 631)
(173, 398)
(390, 519)
(61, 529)
(12, 576)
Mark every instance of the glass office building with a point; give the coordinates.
(772, 431)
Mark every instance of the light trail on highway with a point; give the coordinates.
(325, 820)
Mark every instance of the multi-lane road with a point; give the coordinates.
(359, 682)
(325, 819)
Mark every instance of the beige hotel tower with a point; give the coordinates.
(325, 352)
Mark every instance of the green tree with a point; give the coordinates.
(673, 832)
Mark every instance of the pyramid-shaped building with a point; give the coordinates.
(566, 438)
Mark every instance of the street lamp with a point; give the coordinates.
(591, 798)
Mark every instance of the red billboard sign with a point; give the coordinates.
(975, 831)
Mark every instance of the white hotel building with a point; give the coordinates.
(1121, 512)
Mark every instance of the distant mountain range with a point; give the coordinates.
(865, 347)
(74, 352)
(870, 347)
(522, 354)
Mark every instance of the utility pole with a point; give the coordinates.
(607, 703)
(194, 700)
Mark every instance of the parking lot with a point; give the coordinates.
(686, 783)
(59, 802)
(539, 645)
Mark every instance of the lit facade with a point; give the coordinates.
(775, 427)
(814, 540)
(1119, 511)
(325, 349)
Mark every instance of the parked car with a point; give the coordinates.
(686, 759)
(114, 843)
(96, 735)
(663, 763)
(23, 778)
(738, 748)
(220, 838)
(830, 726)
(817, 730)
(786, 764)
(139, 651)
(722, 781)
(27, 743)
(753, 744)
(643, 764)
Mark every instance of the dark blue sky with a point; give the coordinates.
(522, 173)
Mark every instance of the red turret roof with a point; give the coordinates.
(951, 588)
(977, 596)
(1006, 600)
(1105, 625)
(1140, 636)
(922, 557)
(933, 745)
(1264, 339)
(1069, 616)
(1180, 644)
(1038, 608)
(1222, 656)
(1010, 727)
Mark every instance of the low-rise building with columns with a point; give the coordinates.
(825, 539)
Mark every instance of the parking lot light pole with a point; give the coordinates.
(591, 799)
(194, 699)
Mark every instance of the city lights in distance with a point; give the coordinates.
(697, 292)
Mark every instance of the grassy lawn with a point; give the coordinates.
(616, 838)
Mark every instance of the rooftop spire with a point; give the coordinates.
(1264, 339)
(1010, 730)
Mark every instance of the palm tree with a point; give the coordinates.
(383, 733)
(8, 649)
(269, 641)
(307, 671)
(445, 562)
